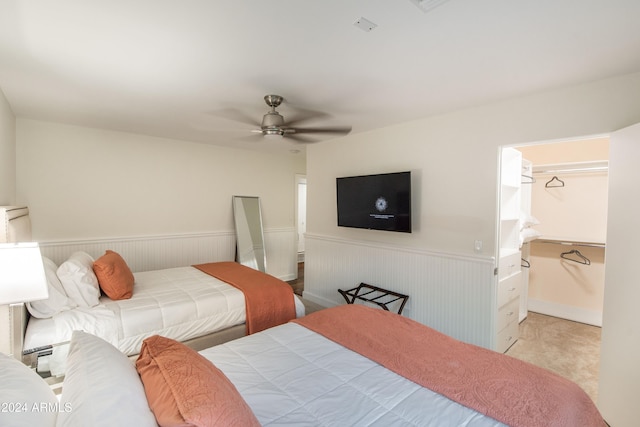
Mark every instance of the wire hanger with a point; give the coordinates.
(550, 184)
(581, 259)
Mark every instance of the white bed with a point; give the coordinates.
(303, 379)
(294, 374)
(182, 303)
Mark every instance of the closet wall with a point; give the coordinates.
(572, 211)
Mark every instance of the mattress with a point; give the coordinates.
(179, 303)
(290, 375)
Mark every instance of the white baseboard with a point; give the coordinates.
(576, 314)
(318, 299)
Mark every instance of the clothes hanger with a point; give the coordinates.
(581, 258)
(560, 183)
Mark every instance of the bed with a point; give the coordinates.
(202, 305)
(347, 365)
(184, 303)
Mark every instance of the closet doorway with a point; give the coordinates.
(563, 228)
(563, 222)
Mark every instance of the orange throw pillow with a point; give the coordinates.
(184, 388)
(114, 276)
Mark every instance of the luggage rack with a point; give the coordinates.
(373, 294)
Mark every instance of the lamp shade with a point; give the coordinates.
(22, 277)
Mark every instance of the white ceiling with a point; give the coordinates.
(170, 68)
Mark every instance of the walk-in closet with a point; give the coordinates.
(559, 238)
(564, 257)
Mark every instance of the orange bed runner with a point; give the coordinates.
(269, 301)
(507, 389)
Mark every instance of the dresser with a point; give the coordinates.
(509, 274)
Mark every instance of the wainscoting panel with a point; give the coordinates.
(157, 252)
(281, 245)
(454, 294)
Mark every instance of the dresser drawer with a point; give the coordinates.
(508, 314)
(509, 288)
(507, 337)
(509, 265)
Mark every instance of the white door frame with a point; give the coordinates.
(300, 215)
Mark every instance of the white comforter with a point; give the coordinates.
(179, 303)
(290, 375)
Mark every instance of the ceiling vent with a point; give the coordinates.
(428, 5)
(365, 25)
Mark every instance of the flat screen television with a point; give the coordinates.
(376, 202)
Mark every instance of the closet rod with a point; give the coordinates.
(572, 243)
(577, 170)
(578, 167)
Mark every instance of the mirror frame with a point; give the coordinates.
(249, 233)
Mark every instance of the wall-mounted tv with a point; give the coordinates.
(376, 202)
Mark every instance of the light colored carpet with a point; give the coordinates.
(567, 348)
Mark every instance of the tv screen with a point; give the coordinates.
(376, 202)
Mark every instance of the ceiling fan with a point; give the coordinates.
(274, 126)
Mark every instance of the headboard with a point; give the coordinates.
(15, 226)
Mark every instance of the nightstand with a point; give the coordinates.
(37, 359)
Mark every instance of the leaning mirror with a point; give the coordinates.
(250, 249)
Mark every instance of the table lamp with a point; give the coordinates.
(22, 279)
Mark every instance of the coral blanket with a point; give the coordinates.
(502, 387)
(269, 301)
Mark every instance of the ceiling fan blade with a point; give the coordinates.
(236, 116)
(335, 130)
(300, 115)
(254, 137)
(300, 139)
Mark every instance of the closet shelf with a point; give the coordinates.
(505, 252)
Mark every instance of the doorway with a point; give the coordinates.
(563, 224)
(301, 214)
(301, 229)
(563, 228)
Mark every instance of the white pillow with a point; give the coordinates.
(527, 221)
(79, 281)
(529, 234)
(58, 300)
(102, 386)
(25, 397)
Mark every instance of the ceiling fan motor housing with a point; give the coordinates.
(272, 123)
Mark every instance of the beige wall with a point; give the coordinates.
(82, 183)
(580, 150)
(7, 153)
(455, 160)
